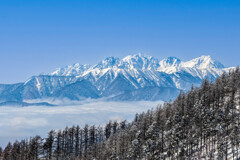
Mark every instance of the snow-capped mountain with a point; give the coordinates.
(142, 71)
(75, 69)
(135, 77)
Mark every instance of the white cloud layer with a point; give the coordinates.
(23, 122)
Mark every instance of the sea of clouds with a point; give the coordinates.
(18, 123)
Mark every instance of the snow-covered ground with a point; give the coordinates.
(23, 122)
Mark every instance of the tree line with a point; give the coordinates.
(203, 123)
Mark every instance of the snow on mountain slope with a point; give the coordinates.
(114, 76)
(76, 91)
(198, 67)
(147, 71)
(137, 75)
(73, 70)
(139, 61)
(203, 62)
(169, 65)
(204, 66)
(44, 86)
(36, 87)
(11, 92)
(138, 69)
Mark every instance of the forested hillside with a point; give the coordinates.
(201, 124)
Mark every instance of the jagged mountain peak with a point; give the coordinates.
(173, 60)
(140, 61)
(71, 70)
(107, 62)
(138, 58)
(144, 67)
(170, 62)
(203, 62)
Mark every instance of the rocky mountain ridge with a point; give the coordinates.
(135, 77)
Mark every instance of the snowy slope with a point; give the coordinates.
(36, 87)
(149, 71)
(76, 91)
(140, 76)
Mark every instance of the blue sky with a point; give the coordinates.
(40, 35)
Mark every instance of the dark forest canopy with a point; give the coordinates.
(203, 123)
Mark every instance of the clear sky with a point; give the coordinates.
(40, 35)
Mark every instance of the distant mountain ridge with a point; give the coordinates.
(135, 77)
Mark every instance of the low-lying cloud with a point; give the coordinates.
(24, 122)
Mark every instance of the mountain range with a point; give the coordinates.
(133, 78)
